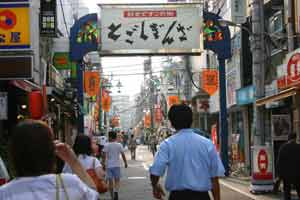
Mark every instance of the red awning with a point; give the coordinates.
(25, 85)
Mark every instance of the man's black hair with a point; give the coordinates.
(82, 145)
(180, 116)
(112, 135)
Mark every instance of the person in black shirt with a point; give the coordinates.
(288, 165)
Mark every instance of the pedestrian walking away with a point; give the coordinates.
(192, 162)
(33, 152)
(113, 150)
(132, 147)
(288, 165)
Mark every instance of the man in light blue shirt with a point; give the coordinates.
(192, 162)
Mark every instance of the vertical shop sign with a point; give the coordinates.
(48, 18)
(14, 26)
(91, 83)
(214, 136)
(281, 126)
(3, 105)
(210, 81)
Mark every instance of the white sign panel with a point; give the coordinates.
(238, 11)
(3, 105)
(150, 29)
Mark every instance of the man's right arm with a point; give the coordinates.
(216, 188)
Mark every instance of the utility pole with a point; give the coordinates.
(151, 96)
(258, 68)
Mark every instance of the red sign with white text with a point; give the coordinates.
(149, 13)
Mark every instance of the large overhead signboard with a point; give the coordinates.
(150, 29)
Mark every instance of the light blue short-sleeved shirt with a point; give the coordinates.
(191, 161)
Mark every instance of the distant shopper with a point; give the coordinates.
(192, 163)
(288, 165)
(132, 147)
(113, 150)
(32, 152)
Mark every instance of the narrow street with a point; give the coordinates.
(135, 184)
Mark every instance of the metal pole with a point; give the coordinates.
(100, 106)
(151, 97)
(223, 116)
(80, 97)
(290, 26)
(258, 68)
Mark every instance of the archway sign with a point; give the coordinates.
(150, 29)
(84, 38)
(217, 39)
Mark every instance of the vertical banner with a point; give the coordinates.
(3, 106)
(106, 102)
(147, 120)
(173, 100)
(210, 81)
(158, 114)
(91, 83)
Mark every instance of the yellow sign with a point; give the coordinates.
(14, 26)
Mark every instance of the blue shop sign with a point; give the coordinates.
(245, 95)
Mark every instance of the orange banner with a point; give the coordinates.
(106, 101)
(147, 120)
(91, 83)
(158, 114)
(210, 81)
(173, 100)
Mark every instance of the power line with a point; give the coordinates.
(65, 22)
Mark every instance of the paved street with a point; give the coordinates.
(136, 183)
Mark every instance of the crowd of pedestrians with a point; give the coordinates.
(191, 161)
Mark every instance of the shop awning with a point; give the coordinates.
(282, 95)
(25, 85)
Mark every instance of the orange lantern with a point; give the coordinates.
(91, 83)
(173, 100)
(36, 104)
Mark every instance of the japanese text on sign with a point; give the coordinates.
(150, 28)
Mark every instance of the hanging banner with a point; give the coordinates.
(106, 102)
(91, 83)
(210, 81)
(14, 26)
(152, 29)
(3, 106)
(147, 120)
(158, 114)
(115, 121)
(262, 163)
(173, 100)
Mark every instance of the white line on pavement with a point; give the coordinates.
(238, 190)
(137, 177)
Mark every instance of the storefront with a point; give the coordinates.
(283, 105)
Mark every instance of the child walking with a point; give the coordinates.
(113, 150)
